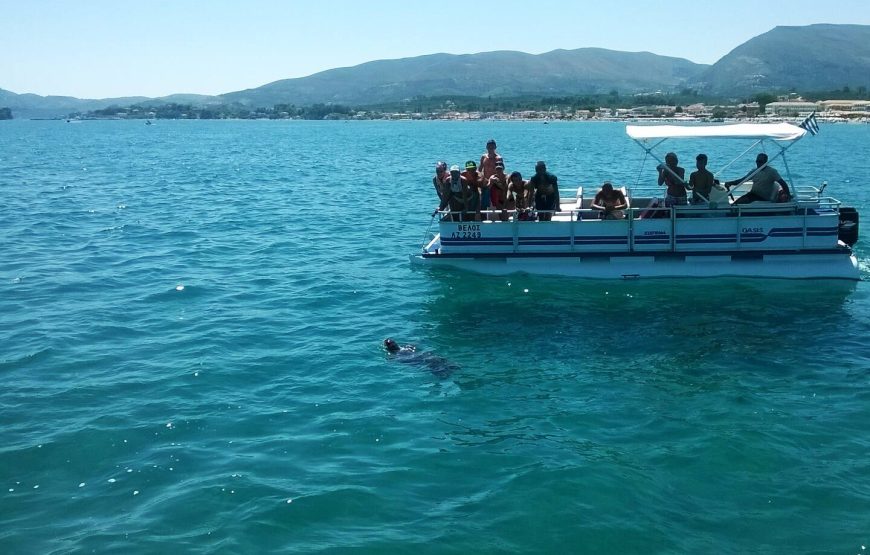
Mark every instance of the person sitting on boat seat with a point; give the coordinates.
(546, 192)
(673, 176)
(454, 194)
(764, 179)
(498, 189)
(611, 202)
(701, 182)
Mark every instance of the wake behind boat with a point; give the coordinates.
(806, 236)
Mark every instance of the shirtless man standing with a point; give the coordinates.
(701, 182)
(489, 159)
(487, 167)
(672, 175)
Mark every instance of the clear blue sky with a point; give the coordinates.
(111, 48)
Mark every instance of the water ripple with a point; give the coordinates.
(191, 318)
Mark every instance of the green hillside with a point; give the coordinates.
(502, 73)
(812, 58)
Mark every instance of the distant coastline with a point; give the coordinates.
(783, 109)
(657, 108)
(666, 120)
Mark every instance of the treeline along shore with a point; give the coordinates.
(688, 104)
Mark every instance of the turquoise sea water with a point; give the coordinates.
(191, 317)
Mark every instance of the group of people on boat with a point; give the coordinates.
(701, 182)
(487, 192)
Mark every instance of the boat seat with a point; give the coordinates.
(718, 196)
(770, 205)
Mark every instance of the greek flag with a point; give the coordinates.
(810, 124)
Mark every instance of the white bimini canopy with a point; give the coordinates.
(757, 131)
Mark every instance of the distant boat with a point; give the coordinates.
(148, 122)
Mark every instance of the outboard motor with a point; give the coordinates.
(848, 231)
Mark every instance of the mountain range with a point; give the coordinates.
(503, 73)
(809, 58)
(813, 58)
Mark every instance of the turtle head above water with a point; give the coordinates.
(391, 345)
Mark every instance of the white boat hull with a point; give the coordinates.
(828, 265)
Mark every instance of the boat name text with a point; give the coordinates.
(466, 231)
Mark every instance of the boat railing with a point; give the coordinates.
(649, 208)
(646, 225)
(575, 214)
(647, 201)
